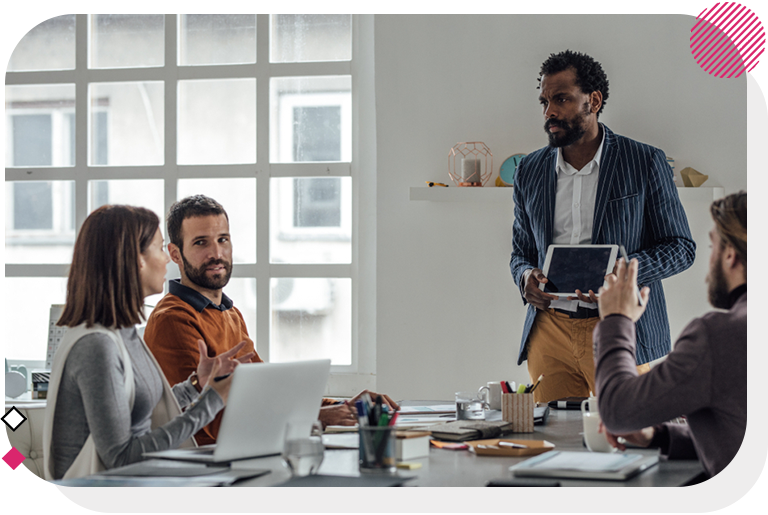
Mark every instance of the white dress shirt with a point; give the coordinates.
(575, 210)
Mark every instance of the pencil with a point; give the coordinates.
(537, 383)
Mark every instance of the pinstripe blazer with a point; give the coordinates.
(636, 205)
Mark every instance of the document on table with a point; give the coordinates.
(435, 409)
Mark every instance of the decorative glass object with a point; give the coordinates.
(470, 163)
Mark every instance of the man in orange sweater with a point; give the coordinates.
(196, 316)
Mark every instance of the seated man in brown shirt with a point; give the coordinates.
(703, 378)
(196, 316)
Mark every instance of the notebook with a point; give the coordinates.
(263, 398)
(584, 465)
(462, 430)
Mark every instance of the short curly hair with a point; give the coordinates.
(589, 73)
(189, 207)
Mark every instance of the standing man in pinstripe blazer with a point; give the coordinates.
(590, 186)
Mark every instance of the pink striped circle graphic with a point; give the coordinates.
(727, 40)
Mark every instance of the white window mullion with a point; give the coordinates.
(263, 311)
(82, 134)
(170, 168)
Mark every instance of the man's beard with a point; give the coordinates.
(572, 131)
(717, 287)
(198, 276)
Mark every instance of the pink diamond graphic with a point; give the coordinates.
(13, 458)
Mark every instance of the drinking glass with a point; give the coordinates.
(303, 447)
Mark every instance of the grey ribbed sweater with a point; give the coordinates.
(91, 399)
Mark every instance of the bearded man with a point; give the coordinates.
(590, 186)
(196, 316)
(704, 378)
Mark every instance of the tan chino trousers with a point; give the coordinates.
(560, 347)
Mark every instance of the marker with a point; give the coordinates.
(521, 388)
(504, 388)
(626, 262)
(509, 387)
(362, 420)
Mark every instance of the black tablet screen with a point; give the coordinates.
(577, 268)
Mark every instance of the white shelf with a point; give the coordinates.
(457, 194)
(701, 193)
(494, 194)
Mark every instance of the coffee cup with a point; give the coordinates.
(595, 441)
(493, 394)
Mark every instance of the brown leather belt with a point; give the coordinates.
(582, 312)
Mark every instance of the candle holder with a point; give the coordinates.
(470, 163)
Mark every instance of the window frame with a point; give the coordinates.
(345, 380)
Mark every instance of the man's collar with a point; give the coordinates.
(735, 294)
(196, 299)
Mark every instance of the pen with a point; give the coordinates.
(377, 411)
(430, 183)
(626, 262)
(220, 378)
(512, 444)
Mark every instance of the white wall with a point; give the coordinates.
(448, 314)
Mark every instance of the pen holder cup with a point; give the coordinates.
(377, 449)
(518, 409)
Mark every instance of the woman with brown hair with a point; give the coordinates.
(108, 401)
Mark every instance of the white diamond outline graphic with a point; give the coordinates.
(19, 416)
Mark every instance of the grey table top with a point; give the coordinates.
(463, 468)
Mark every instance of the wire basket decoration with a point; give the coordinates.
(470, 163)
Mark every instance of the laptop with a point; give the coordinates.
(263, 398)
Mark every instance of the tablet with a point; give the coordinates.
(577, 267)
(584, 465)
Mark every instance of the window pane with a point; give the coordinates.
(39, 221)
(242, 291)
(217, 121)
(310, 119)
(238, 197)
(311, 319)
(49, 46)
(127, 121)
(40, 121)
(27, 307)
(146, 193)
(311, 37)
(126, 40)
(217, 39)
(310, 220)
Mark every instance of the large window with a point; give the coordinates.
(256, 111)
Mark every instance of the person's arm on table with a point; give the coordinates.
(628, 402)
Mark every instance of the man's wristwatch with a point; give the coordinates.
(195, 380)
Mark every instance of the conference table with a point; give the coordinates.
(462, 468)
(452, 468)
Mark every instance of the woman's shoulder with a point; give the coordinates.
(94, 347)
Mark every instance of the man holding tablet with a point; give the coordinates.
(590, 186)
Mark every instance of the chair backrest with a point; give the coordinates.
(28, 437)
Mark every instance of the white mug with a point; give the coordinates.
(494, 394)
(596, 442)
